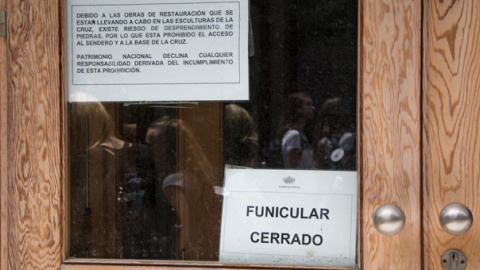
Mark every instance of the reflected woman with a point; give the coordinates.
(296, 151)
(185, 178)
(334, 137)
(111, 189)
(240, 138)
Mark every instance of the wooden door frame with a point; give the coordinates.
(3, 144)
(33, 149)
(32, 138)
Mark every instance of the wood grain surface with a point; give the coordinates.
(3, 147)
(65, 191)
(33, 141)
(101, 264)
(391, 120)
(32, 169)
(197, 266)
(451, 125)
(193, 266)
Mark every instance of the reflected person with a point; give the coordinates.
(240, 138)
(296, 151)
(334, 137)
(111, 190)
(184, 176)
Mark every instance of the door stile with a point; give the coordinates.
(451, 129)
(3, 145)
(391, 126)
(31, 146)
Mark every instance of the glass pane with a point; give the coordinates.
(151, 179)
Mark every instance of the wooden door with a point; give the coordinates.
(451, 127)
(394, 106)
(419, 132)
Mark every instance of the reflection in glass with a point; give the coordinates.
(185, 178)
(296, 150)
(240, 138)
(147, 180)
(113, 213)
(334, 137)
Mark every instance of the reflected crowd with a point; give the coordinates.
(156, 199)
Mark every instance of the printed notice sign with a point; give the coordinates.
(157, 50)
(289, 217)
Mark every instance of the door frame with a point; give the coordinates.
(34, 191)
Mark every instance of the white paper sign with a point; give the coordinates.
(289, 217)
(157, 50)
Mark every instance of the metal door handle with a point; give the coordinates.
(456, 218)
(389, 219)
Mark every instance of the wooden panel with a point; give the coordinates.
(3, 147)
(65, 191)
(451, 126)
(390, 125)
(33, 150)
(152, 267)
(96, 264)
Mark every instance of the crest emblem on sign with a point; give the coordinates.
(288, 180)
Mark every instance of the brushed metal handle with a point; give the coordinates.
(389, 219)
(456, 218)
